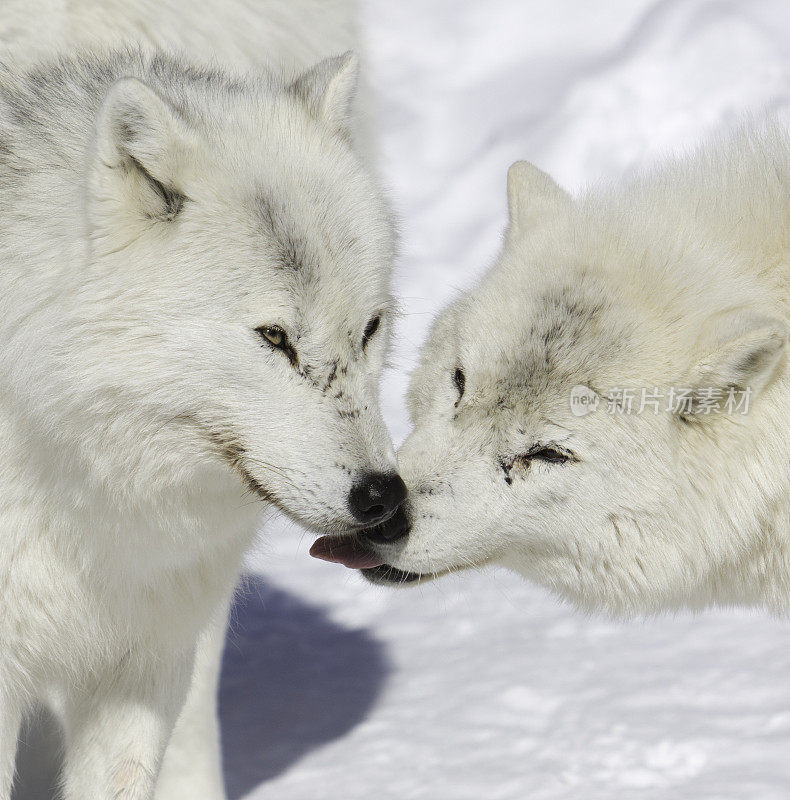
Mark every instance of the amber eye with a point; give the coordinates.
(277, 338)
(273, 334)
(370, 330)
(459, 379)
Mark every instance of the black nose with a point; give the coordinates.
(375, 496)
(392, 529)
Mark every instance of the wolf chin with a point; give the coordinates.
(195, 310)
(676, 281)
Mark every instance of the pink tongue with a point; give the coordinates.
(345, 550)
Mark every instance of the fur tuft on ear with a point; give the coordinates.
(142, 140)
(328, 89)
(742, 349)
(532, 195)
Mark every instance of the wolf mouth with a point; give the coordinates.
(346, 549)
(354, 552)
(384, 573)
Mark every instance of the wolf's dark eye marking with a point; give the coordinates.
(459, 379)
(277, 338)
(370, 330)
(549, 454)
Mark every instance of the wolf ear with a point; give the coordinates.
(742, 349)
(328, 89)
(141, 147)
(532, 195)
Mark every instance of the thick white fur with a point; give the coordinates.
(283, 36)
(286, 36)
(141, 417)
(679, 278)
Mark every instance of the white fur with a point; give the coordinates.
(283, 36)
(679, 278)
(153, 215)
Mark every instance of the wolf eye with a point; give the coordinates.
(370, 330)
(459, 379)
(273, 334)
(549, 455)
(277, 338)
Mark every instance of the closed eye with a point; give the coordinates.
(550, 454)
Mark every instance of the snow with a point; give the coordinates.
(481, 686)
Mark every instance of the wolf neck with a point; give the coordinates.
(49, 493)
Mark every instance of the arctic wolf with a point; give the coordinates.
(283, 36)
(607, 411)
(194, 307)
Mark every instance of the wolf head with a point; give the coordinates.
(228, 313)
(528, 450)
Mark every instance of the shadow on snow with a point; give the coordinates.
(292, 680)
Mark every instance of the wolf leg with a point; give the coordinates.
(117, 728)
(192, 767)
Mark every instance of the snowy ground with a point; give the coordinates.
(481, 686)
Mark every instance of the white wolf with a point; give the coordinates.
(675, 284)
(284, 36)
(195, 304)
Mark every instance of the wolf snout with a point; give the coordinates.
(375, 497)
(392, 529)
